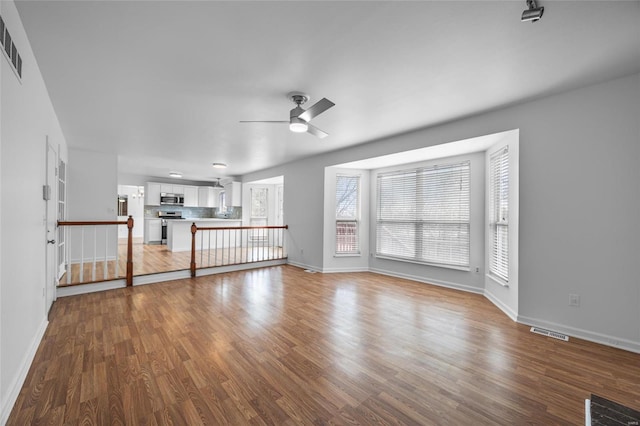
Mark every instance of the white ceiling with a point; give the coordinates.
(163, 84)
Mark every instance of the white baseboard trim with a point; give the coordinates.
(304, 266)
(339, 270)
(161, 277)
(500, 305)
(74, 290)
(241, 267)
(427, 280)
(603, 339)
(18, 380)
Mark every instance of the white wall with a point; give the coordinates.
(27, 118)
(92, 194)
(579, 204)
(331, 262)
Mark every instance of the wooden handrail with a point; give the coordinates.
(240, 227)
(89, 223)
(129, 223)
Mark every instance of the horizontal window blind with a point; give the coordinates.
(499, 214)
(423, 215)
(347, 214)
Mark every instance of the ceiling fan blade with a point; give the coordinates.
(316, 132)
(318, 108)
(261, 121)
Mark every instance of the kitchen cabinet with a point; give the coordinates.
(208, 196)
(152, 194)
(190, 196)
(233, 194)
(171, 189)
(152, 231)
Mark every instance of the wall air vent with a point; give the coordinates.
(550, 333)
(10, 50)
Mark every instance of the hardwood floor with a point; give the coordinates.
(281, 346)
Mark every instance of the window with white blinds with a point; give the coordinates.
(499, 214)
(259, 213)
(347, 214)
(423, 215)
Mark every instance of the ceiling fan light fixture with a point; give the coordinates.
(219, 166)
(298, 125)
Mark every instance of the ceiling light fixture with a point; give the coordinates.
(175, 174)
(219, 166)
(533, 12)
(298, 125)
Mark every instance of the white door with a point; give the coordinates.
(51, 212)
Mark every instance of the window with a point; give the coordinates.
(347, 214)
(259, 210)
(222, 198)
(423, 215)
(258, 215)
(499, 215)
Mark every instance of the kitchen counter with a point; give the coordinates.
(179, 231)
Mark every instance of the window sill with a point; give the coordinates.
(437, 265)
(497, 280)
(347, 254)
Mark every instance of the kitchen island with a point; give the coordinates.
(179, 232)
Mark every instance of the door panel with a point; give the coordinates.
(50, 241)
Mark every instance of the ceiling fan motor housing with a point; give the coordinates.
(294, 113)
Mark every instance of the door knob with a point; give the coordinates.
(51, 241)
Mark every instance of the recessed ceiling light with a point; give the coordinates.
(219, 166)
(175, 174)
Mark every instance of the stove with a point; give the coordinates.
(167, 216)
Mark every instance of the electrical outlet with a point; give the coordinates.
(477, 269)
(574, 300)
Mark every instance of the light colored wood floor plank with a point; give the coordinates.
(280, 346)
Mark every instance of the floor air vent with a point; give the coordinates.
(550, 333)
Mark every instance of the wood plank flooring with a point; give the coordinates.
(281, 346)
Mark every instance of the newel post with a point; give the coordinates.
(194, 228)
(130, 252)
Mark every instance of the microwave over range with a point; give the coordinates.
(171, 199)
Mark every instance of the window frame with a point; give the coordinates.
(498, 200)
(355, 219)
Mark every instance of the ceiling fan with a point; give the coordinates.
(299, 118)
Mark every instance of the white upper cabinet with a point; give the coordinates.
(190, 196)
(208, 196)
(152, 194)
(233, 194)
(167, 188)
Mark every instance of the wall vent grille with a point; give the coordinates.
(9, 49)
(550, 333)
